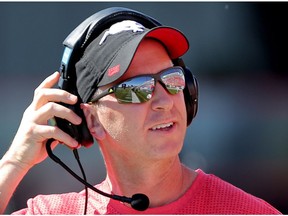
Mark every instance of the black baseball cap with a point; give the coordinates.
(109, 55)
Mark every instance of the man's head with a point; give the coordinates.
(99, 51)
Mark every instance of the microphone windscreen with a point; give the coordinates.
(140, 202)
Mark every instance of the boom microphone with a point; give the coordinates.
(139, 202)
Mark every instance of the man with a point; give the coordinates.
(139, 121)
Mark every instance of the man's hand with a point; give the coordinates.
(28, 147)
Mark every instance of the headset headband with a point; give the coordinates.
(97, 23)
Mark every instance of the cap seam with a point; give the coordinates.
(92, 65)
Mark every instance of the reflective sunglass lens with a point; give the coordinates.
(140, 89)
(174, 81)
(136, 90)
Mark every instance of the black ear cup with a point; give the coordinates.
(190, 91)
(79, 39)
(190, 95)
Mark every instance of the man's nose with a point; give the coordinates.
(162, 99)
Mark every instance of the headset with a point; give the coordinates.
(75, 44)
(79, 39)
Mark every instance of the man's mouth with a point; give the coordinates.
(163, 126)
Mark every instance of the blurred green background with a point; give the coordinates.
(238, 52)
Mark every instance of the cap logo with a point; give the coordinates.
(126, 25)
(114, 70)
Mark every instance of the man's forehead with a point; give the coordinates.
(150, 58)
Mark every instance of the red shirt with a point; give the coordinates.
(207, 195)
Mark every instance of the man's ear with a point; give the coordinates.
(95, 127)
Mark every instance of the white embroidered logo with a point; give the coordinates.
(126, 25)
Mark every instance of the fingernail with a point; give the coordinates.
(73, 97)
(76, 146)
(79, 120)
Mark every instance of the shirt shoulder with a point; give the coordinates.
(211, 195)
(66, 203)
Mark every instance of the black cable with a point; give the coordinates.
(57, 160)
(139, 202)
(75, 151)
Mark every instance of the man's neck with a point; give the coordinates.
(163, 182)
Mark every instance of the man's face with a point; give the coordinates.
(154, 129)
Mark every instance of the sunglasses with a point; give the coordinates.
(139, 89)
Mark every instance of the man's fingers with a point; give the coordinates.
(48, 132)
(51, 110)
(43, 96)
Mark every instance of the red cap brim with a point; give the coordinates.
(174, 40)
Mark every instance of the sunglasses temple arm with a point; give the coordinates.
(102, 94)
